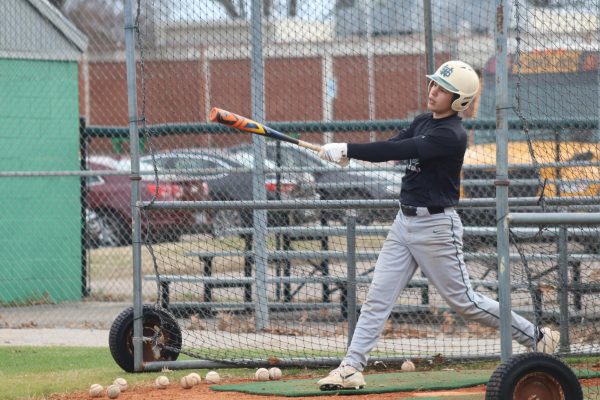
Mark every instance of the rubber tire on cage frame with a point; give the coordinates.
(120, 339)
(535, 368)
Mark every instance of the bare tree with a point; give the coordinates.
(292, 8)
(58, 3)
(267, 5)
(102, 22)
(343, 3)
(230, 8)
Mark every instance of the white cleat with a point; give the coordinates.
(549, 341)
(343, 377)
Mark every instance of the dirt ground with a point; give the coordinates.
(203, 392)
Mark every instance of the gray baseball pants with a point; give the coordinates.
(434, 243)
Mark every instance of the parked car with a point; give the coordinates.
(108, 197)
(93, 231)
(357, 181)
(228, 181)
(552, 161)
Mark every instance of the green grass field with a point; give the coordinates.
(36, 372)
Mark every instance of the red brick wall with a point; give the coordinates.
(230, 85)
(352, 91)
(174, 91)
(108, 94)
(399, 84)
(293, 89)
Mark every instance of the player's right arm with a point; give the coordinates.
(437, 143)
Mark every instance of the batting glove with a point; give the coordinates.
(335, 152)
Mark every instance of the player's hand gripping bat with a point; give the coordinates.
(245, 124)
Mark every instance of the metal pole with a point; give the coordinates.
(370, 65)
(329, 91)
(83, 149)
(563, 291)
(351, 290)
(429, 53)
(258, 178)
(430, 65)
(502, 105)
(135, 177)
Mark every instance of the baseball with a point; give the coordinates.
(187, 382)
(262, 374)
(121, 383)
(162, 382)
(96, 390)
(195, 377)
(113, 391)
(408, 366)
(212, 377)
(274, 373)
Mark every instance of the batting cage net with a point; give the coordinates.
(287, 284)
(258, 283)
(257, 251)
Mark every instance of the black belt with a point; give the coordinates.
(411, 211)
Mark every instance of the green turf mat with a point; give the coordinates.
(586, 373)
(376, 383)
(380, 383)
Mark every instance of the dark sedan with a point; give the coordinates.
(108, 198)
(230, 178)
(333, 182)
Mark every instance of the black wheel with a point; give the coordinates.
(533, 376)
(364, 216)
(161, 337)
(113, 230)
(227, 219)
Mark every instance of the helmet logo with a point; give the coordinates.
(446, 71)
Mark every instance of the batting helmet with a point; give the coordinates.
(459, 78)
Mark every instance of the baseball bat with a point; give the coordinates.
(245, 124)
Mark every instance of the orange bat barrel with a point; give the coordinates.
(245, 124)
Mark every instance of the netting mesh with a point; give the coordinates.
(248, 281)
(554, 76)
(260, 284)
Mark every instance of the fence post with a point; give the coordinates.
(132, 110)
(502, 104)
(83, 149)
(563, 289)
(258, 181)
(429, 53)
(351, 283)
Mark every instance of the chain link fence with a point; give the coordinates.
(244, 280)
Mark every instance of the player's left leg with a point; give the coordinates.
(438, 251)
(394, 268)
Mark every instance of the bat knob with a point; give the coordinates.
(214, 112)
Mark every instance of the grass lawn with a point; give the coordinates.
(36, 372)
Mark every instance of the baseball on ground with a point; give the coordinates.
(162, 382)
(262, 374)
(274, 373)
(408, 366)
(113, 391)
(212, 377)
(96, 390)
(121, 383)
(195, 377)
(187, 382)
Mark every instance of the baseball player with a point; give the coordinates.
(427, 231)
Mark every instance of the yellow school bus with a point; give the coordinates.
(553, 148)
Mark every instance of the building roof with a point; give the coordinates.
(60, 22)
